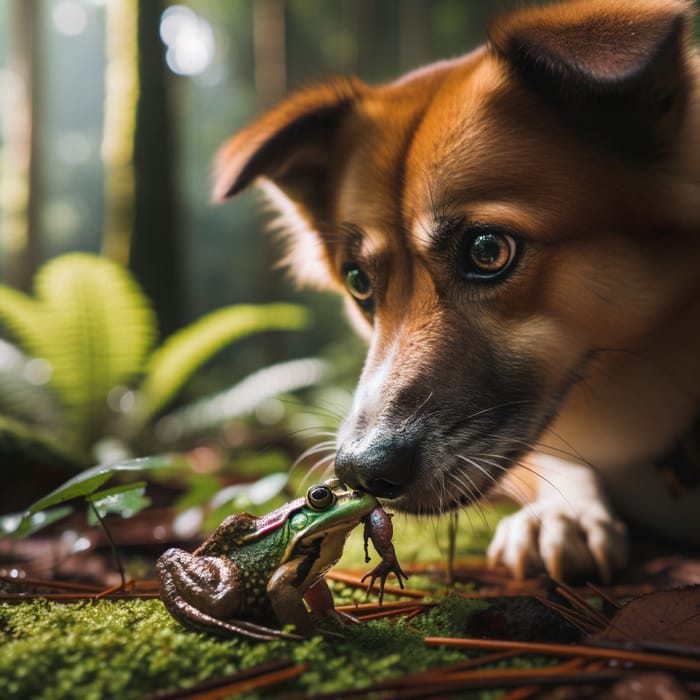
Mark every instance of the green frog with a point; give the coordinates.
(255, 570)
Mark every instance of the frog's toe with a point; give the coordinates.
(250, 629)
(329, 634)
(381, 573)
(341, 618)
(332, 624)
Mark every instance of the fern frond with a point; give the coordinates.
(98, 330)
(23, 319)
(212, 412)
(184, 352)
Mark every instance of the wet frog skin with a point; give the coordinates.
(255, 571)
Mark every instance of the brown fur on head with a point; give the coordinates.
(567, 145)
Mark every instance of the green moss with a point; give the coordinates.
(97, 650)
(128, 649)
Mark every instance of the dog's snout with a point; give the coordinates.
(383, 468)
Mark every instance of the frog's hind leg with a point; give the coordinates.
(288, 602)
(203, 593)
(211, 585)
(199, 621)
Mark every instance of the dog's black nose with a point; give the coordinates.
(383, 468)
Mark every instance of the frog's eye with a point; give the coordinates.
(320, 497)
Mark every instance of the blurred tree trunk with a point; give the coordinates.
(20, 183)
(139, 158)
(366, 27)
(269, 47)
(121, 98)
(270, 76)
(156, 248)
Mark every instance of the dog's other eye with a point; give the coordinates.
(358, 284)
(486, 253)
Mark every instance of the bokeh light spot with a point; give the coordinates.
(189, 38)
(69, 18)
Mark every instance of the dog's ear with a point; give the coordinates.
(293, 145)
(614, 68)
(298, 147)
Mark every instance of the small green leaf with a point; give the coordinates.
(80, 485)
(88, 481)
(126, 501)
(18, 525)
(94, 498)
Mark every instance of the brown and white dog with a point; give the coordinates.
(517, 233)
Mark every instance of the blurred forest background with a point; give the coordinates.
(111, 112)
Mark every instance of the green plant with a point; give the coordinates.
(88, 371)
(125, 500)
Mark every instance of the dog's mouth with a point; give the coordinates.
(453, 486)
(426, 507)
(435, 475)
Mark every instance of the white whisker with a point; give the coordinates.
(416, 412)
(328, 446)
(321, 464)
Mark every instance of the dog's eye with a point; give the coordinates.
(487, 253)
(358, 284)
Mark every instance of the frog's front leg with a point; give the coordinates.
(203, 593)
(286, 600)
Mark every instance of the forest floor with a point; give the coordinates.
(466, 631)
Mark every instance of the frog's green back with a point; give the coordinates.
(257, 560)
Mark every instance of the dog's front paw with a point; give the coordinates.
(546, 536)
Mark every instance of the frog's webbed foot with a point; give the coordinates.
(381, 572)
